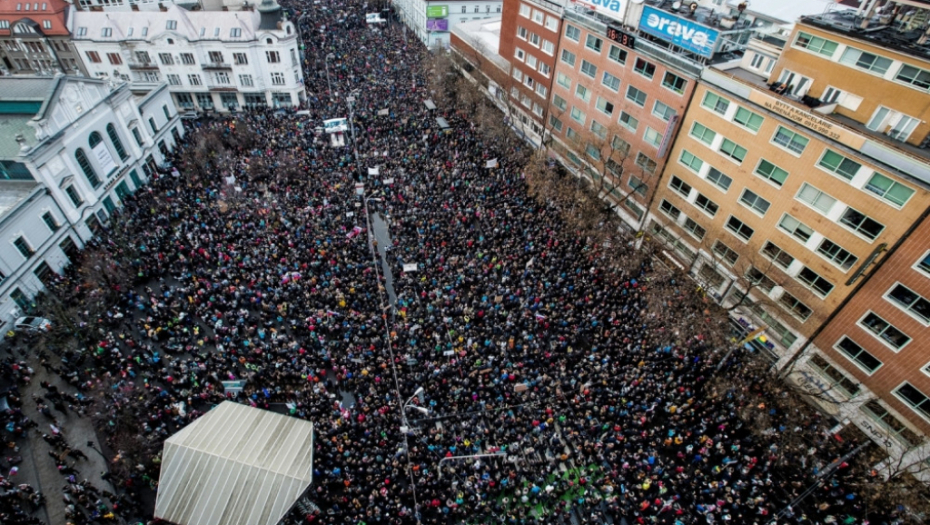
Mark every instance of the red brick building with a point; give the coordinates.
(34, 39)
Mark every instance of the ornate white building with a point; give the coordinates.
(71, 150)
(211, 60)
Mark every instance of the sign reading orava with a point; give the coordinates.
(610, 8)
(684, 33)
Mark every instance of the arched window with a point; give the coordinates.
(114, 138)
(85, 165)
(94, 139)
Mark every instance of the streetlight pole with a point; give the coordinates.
(326, 60)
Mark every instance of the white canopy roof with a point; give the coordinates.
(236, 465)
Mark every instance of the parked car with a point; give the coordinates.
(33, 324)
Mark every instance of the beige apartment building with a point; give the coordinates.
(781, 207)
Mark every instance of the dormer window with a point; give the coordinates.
(145, 31)
(129, 33)
(47, 24)
(172, 25)
(235, 32)
(106, 31)
(82, 31)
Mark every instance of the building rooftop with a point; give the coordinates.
(484, 36)
(904, 32)
(13, 192)
(21, 98)
(786, 11)
(50, 12)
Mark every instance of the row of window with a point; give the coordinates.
(550, 22)
(910, 75)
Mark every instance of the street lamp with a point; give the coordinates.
(326, 60)
(403, 410)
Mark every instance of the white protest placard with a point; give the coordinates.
(388, 181)
(491, 163)
(410, 267)
(373, 171)
(102, 154)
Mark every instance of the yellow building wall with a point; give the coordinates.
(875, 90)
(801, 168)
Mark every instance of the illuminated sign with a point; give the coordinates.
(610, 8)
(437, 11)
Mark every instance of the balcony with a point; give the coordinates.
(207, 66)
(142, 65)
(220, 88)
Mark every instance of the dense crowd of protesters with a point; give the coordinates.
(528, 351)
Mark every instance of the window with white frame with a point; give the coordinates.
(889, 190)
(815, 282)
(568, 57)
(910, 301)
(836, 254)
(628, 121)
(652, 137)
(914, 398)
(884, 331)
(754, 202)
(815, 198)
(795, 228)
(662, 110)
(739, 228)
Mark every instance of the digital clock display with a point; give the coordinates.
(621, 38)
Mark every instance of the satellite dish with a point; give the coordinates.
(676, 6)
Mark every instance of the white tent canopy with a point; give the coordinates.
(236, 465)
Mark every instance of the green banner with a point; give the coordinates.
(437, 11)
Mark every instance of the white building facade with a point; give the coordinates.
(432, 21)
(89, 146)
(211, 60)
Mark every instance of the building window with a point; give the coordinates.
(834, 376)
(106, 32)
(715, 103)
(836, 254)
(621, 146)
(858, 355)
(194, 79)
(93, 56)
(240, 59)
(235, 32)
(759, 279)
(216, 57)
(796, 228)
(861, 224)
(725, 253)
(815, 282)
(771, 172)
(893, 192)
(719, 179)
(917, 400)
(739, 228)
(611, 81)
(519, 54)
(88, 170)
(559, 102)
(174, 80)
(838, 164)
(568, 57)
(588, 69)
(691, 161)
(138, 136)
(924, 264)
(171, 25)
(754, 202)
(628, 121)
(152, 125)
(594, 43)
(604, 106)
(644, 68)
(23, 246)
(277, 79)
(50, 221)
(884, 331)
(910, 302)
(662, 110)
(680, 186)
(578, 115)
(548, 47)
(635, 183)
(75, 197)
(796, 307)
(703, 133)
(636, 96)
(867, 61)
(816, 44)
(790, 140)
(706, 205)
(777, 255)
(617, 55)
(563, 80)
(117, 143)
(555, 123)
(748, 119)
(695, 229)
(733, 150)
(598, 129)
(891, 423)
(583, 93)
(645, 162)
(674, 82)
(187, 59)
(652, 137)
(918, 78)
(670, 210)
(815, 198)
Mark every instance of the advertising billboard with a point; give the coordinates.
(437, 24)
(609, 8)
(682, 32)
(437, 11)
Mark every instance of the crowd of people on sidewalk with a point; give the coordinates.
(530, 351)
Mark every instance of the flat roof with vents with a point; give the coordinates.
(236, 465)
